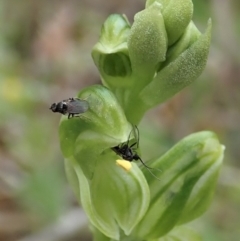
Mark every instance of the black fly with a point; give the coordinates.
(71, 106)
(128, 152)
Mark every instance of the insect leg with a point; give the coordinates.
(148, 168)
(133, 144)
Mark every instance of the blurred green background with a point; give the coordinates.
(45, 56)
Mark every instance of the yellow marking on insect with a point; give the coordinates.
(126, 165)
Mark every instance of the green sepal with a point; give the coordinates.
(147, 45)
(179, 73)
(102, 126)
(187, 182)
(114, 199)
(147, 42)
(191, 35)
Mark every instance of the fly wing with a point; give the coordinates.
(77, 106)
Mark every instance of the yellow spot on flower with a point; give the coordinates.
(126, 165)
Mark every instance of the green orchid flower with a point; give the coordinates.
(141, 66)
(124, 203)
(98, 182)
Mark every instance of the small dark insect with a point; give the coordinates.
(128, 153)
(71, 106)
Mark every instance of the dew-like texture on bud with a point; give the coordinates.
(104, 125)
(179, 73)
(114, 199)
(147, 41)
(177, 15)
(188, 178)
(190, 35)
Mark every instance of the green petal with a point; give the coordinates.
(147, 41)
(114, 199)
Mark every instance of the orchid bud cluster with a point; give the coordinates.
(152, 60)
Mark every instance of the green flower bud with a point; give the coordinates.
(147, 45)
(177, 14)
(189, 174)
(103, 126)
(181, 71)
(110, 54)
(147, 42)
